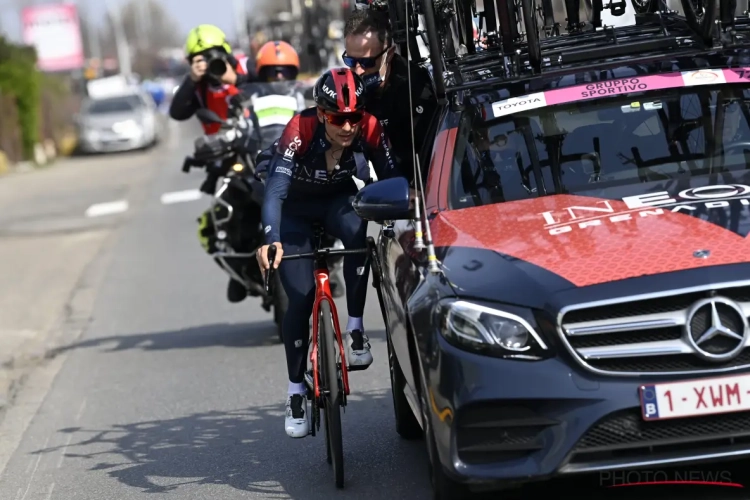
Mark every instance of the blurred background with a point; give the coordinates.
(101, 48)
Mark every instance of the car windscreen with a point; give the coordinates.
(122, 104)
(616, 141)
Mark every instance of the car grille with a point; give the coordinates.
(496, 432)
(625, 435)
(646, 337)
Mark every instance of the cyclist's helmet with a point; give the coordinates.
(276, 58)
(205, 37)
(339, 90)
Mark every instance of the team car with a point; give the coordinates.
(572, 294)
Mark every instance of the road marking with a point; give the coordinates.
(112, 207)
(181, 196)
(64, 451)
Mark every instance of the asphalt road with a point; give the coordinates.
(162, 389)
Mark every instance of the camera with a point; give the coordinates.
(216, 62)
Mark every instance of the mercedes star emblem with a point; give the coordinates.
(716, 328)
(701, 254)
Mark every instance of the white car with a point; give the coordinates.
(122, 122)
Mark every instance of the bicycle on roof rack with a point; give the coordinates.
(522, 38)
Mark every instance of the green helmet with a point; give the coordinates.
(204, 37)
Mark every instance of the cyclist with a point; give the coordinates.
(310, 180)
(201, 89)
(277, 67)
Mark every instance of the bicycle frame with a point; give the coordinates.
(323, 293)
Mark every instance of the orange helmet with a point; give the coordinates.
(276, 53)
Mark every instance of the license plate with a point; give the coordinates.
(695, 397)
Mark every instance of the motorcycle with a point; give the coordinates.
(230, 230)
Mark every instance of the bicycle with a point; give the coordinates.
(328, 381)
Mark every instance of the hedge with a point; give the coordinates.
(20, 80)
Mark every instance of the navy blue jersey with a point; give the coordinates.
(297, 167)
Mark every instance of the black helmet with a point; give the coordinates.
(339, 90)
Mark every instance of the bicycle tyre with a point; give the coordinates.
(508, 25)
(702, 25)
(528, 9)
(328, 345)
(645, 6)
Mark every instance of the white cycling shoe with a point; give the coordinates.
(360, 357)
(295, 422)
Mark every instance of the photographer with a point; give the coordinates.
(214, 76)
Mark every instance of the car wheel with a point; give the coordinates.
(443, 487)
(407, 424)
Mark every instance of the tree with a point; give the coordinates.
(148, 28)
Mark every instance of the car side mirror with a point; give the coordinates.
(388, 199)
(208, 116)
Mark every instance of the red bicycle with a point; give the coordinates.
(328, 381)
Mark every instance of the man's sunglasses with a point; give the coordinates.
(338, 120)
(364, 62)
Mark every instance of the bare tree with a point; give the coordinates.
(148, 29)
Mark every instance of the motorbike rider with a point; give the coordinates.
(310, 180)
(276, 67)
(371, 53)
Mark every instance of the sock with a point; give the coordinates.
(355, 324)
(297, 388)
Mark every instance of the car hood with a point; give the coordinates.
(565, 241)
(106, 120)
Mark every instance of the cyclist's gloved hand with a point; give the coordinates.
(262, 256)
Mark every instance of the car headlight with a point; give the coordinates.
(490, 331)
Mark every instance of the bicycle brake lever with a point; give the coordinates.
(269, 272)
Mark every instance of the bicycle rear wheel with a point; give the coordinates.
(528, 8)
(700, 15)
(329, 374)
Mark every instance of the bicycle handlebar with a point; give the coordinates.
(322, 252)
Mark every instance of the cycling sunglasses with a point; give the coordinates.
(338, 120)
(364, 62)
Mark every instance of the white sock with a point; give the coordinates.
(355, 324)
(297, 388)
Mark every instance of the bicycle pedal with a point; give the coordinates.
(357, 368)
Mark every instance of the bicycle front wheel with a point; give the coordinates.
(528, 8)
(330, 380)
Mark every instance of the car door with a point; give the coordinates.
(403, 267)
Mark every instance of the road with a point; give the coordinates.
(160, 387)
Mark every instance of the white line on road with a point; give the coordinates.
(181, 196)
(113, 207)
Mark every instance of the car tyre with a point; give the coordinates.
(407, 425)
(443, 487)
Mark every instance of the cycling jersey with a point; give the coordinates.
(297, 167)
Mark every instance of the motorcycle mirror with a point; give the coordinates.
(208, 116)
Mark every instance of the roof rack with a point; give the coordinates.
(520, 38)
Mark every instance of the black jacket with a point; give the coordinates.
(390, 105)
